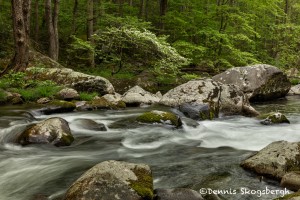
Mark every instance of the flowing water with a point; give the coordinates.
(203, 156)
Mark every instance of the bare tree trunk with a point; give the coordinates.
(90, 19)
(21, 25)
(36, 29)
(163, 9)
(75, 13)
(142, 9)
(52, 24)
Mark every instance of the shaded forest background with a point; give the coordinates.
(166, 37)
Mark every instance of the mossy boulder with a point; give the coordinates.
(99, 103)
(113, 180)
(54, 131)
(259, 82)
(58, 106)
(161, 117)
(273, 118)
(197, 111)
(275, 160)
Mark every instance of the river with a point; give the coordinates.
(203, 156)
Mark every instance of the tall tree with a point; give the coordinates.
(74, 17)
(21, 26)
(163, 4)
(52, 24)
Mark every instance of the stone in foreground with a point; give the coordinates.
(275, 118)
(137, 96)
(113, 180)
(54, 131)
(291, 181)
(275, 160)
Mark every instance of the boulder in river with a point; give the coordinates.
(274, 118)
(55, 131)
(259, 82)
(58, 107)
(67, 94)
(161, 117)
(197, 111)
(113, 180)
(137, 96)
(90, 124)
(77, 80)
(215, 96)
(275, 160)
(14, 98)
(177, 194)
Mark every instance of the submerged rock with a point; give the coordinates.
(113, 180)
(67, 94)
(78, 81)
(259, 82)
(161, 117)
(177, 194)
(274, 118)
(137, 96)
(90, 124)
(55, 131)
(275, 160)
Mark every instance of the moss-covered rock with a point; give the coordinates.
(273, 118)
(100, 103)
(55, 131)
(293, 196)
(58, 106)
(161, 117)
(113, 180)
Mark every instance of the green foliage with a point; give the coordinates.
(2, 96)
(141, 49)
(295, 81)
(85, 96)
(13, 80)
(189, 77)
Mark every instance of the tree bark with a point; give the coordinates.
(74, 17)
(52, 24)
(21, 25)
(163, 9)
(36, 29)
(142, 9)
(90, 19)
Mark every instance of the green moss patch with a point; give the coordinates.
(161, 117)
(144, 183)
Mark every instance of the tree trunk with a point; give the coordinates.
(75, 13)
(52, 24)
(21, 25)
(90, 19)
(163, 9)
(36, 29)
(142, 9)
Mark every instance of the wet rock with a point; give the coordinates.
(213, 96)
(79, 81)
(99, 103)
(111, 180)
(137, 96)
(275, 160)
(43, 100)
(67, 94)
(177, 194)
(259, 82)
(196, 111)
(115, 100)
(161, 117)
(293, 196)
(14, 98)
(58, 107)
(90, 124)
(54, 131)
(295, 90)
(291, 181)
(274, 118)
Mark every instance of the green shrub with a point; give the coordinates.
(84, 96)
(295, 81)
(2, 96)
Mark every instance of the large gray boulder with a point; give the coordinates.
(138, 95)
(111, 180)
(259, 82)
(77, 80)
(208, 93)
(275, 160)
(54, 131)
